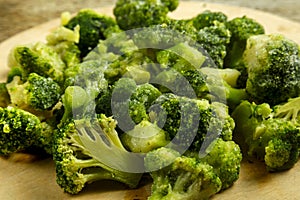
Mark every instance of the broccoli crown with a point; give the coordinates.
(208, 18)
(273, 65)
(184, 178)
(225, 157)
(38, 58)
(37, 93)
(93, 27)
(273, 140)
(18, 130)
(132, 14)
(76, 166)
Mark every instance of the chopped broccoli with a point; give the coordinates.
(180, 177)
(272, 140)
(76, 166)
(92, 28)
(208, 18)
(132, 14)
(144, 137)
(241, 29)
(273, 66)
(225, 157)
(21, 130)
(36, 94)
(37, 58)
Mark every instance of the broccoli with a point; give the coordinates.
(4, 96)
(144, 137)
(208, 18)
(273, 66)
(131, 14)
(241, 29)
(37, 58)
(180, 177)
(272, 140)
(93, 27)
(77, 166)
(225, 157)
(21, 130)
(37, 94)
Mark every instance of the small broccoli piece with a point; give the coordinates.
(288, 110)
(37, 58)
(19, 130)
(4, 96)
(225, 157)
(92, 28)
(208, 18)
(241, 29)
(36, 94)
(144, 137)
(272, 140)
(76, 166)
(132, 14)
(180, 177)
(273, 66)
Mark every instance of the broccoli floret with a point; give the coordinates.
(273, 66)
(180, 177)
(4, 96)
(144, 137)
(93, 27)
(272, 140)
(36, 94)
(37, 58)
(191, 122)
(225, 157)
(132, 14)
(288, 110)
(208, 18)
(77, 166)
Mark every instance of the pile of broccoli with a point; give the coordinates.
(182, 100)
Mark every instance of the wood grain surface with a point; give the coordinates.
(36, 180)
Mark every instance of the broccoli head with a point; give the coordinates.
(132, 14)
(180, 177)
(273, 66)
(36, 94)
(208, 18)
(93, 27)
(37, 58)
(272, 140)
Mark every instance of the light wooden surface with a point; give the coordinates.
(36, 180)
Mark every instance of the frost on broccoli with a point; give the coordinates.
(273, 66)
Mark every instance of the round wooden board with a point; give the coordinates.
(36, 180)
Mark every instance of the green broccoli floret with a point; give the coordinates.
(208, 18)
(272, 140)
(77, 166)
(180, 177)
(4, 96)
(37, 58)
(273, 66)
(144, 137)
(189, 123)
(36, 94)
(225, 157)
(21, 130)
(132, 14)
(288, 110)
(93, 27)
(241, 29)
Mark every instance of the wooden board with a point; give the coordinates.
(36, 180)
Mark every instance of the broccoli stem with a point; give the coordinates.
(234, 96)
